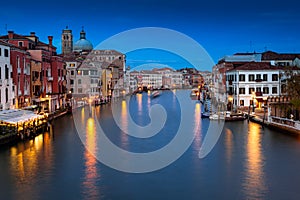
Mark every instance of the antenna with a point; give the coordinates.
(250, 46)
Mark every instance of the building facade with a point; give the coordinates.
(7, 93)
(250, 84)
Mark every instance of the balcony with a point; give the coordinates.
(50, 78)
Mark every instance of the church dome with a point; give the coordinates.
(82, 44)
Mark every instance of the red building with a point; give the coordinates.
(28, 48)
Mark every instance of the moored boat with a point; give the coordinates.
(205, 114)
(155, 94)
(234, 116)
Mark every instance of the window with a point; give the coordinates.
(6, 95)
(251, 77)
(71, 81)
(258, 76)
(0, 51)
(265, 77)
(85, 72)
(20, 44)
(251, 89)
(241, 90)
(79, 90)
(79, 81)
(274, 90)
(72, 73)
(265, 90)
(274, 77)
(18, 62)
(241, 102)
(283, 88)
(5, 52)
(242, 77)
(258, 89)
(6, 72)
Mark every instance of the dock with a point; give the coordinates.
(19, 124)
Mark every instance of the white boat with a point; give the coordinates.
(217, 116)
(205, 114)
(155, 94)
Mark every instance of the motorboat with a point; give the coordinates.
(155, 94)
(205, 114)
(234, 116)
(217, 116)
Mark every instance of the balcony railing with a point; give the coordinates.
(50, 78)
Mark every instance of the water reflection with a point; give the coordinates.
(228, 145)
(25, 164)
(197, 126)
(254, 182)
(139, 102)
(91, 172)
(124, 124)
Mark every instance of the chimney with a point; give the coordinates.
(32, 33)
(10, 34)
(50, 38)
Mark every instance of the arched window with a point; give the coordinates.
(6, 95)
(6, 72)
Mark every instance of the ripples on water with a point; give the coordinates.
(248, 162)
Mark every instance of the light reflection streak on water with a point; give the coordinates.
(228, 145)
(197, 126)
(26, 165)
(254, 184)
(124, 123)
(139, 102)
(91, 174)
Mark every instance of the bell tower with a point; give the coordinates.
(67, 41)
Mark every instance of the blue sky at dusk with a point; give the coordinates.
(221, 27)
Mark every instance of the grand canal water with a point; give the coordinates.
(248, 162)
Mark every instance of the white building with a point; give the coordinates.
(151, 79)
(251, 83)
(171, 78)
(7, 89)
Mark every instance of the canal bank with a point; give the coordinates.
(18, 125)
(285, 125)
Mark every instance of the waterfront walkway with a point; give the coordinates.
(283, 124)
